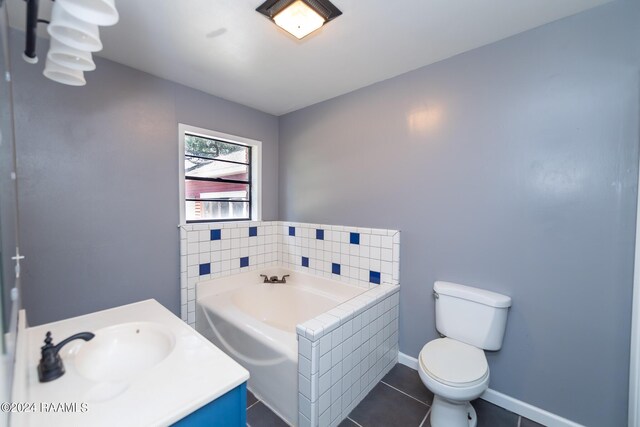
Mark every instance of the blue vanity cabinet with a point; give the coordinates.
(229, 410)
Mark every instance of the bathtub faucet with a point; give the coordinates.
(274, 279)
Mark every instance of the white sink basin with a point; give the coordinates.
(120, 352)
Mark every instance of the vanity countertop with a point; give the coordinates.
(195, 373)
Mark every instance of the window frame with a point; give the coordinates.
(255, 171)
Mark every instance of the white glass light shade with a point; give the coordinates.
(98, 12)
(69, 57)
(63, 75)
(299, 19)
(72, 31)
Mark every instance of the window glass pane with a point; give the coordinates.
(204, 168)
(214, 149)
(198, 211)
(196, 189)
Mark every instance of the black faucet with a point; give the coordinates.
(274, 279)
(51, 366)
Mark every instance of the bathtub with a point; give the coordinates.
(255, 323)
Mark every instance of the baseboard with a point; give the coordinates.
(408, 361)
(509, 403)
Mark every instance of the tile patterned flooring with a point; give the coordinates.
(399, 400)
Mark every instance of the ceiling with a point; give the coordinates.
(227, 49)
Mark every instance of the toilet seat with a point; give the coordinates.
(454, 363)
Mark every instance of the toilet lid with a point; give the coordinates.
(453, 362)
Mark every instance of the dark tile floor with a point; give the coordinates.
(401, 400)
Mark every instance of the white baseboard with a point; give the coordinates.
(509, 403)
(408, 361)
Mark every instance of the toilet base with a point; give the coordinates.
(446, 413)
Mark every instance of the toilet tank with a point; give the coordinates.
(474, 316)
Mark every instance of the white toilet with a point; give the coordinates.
(455, 368)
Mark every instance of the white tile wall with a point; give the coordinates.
(343, 353)
(222, 256)
(378, 250)
(202, 258)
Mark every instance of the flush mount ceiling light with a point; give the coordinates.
(299, 17)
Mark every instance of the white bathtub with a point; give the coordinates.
(255, 323)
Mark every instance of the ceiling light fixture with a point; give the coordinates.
(74, 35)
(299, 17)
(72, 31)
(68, 56)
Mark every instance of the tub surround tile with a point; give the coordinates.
(354, 238)
(304, 347)
(304, 386)
(204, 269)
(374, 277)
(313, 329)
(335, 268)
(324, 382)
(352, 357)
(362, 304)
(347, 350)
(315, 360)
(304, 366)
(304, 408)
(223, 246)
(357, 250)
(329, 322)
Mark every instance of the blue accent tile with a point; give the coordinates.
(305, 261)
(354, 238)
(320, 234)
(215, 234)
(244, 261)
(374, 277)
(253, 231)
(335, 268)
(205, 269)
(292, 231)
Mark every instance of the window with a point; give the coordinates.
(219, 180)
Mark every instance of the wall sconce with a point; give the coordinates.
(299, 17)
(74, 35)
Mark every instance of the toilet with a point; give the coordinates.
(454, 367)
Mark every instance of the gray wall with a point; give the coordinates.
(98, 183)
(513, 168)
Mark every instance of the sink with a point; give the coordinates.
(120, 352)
